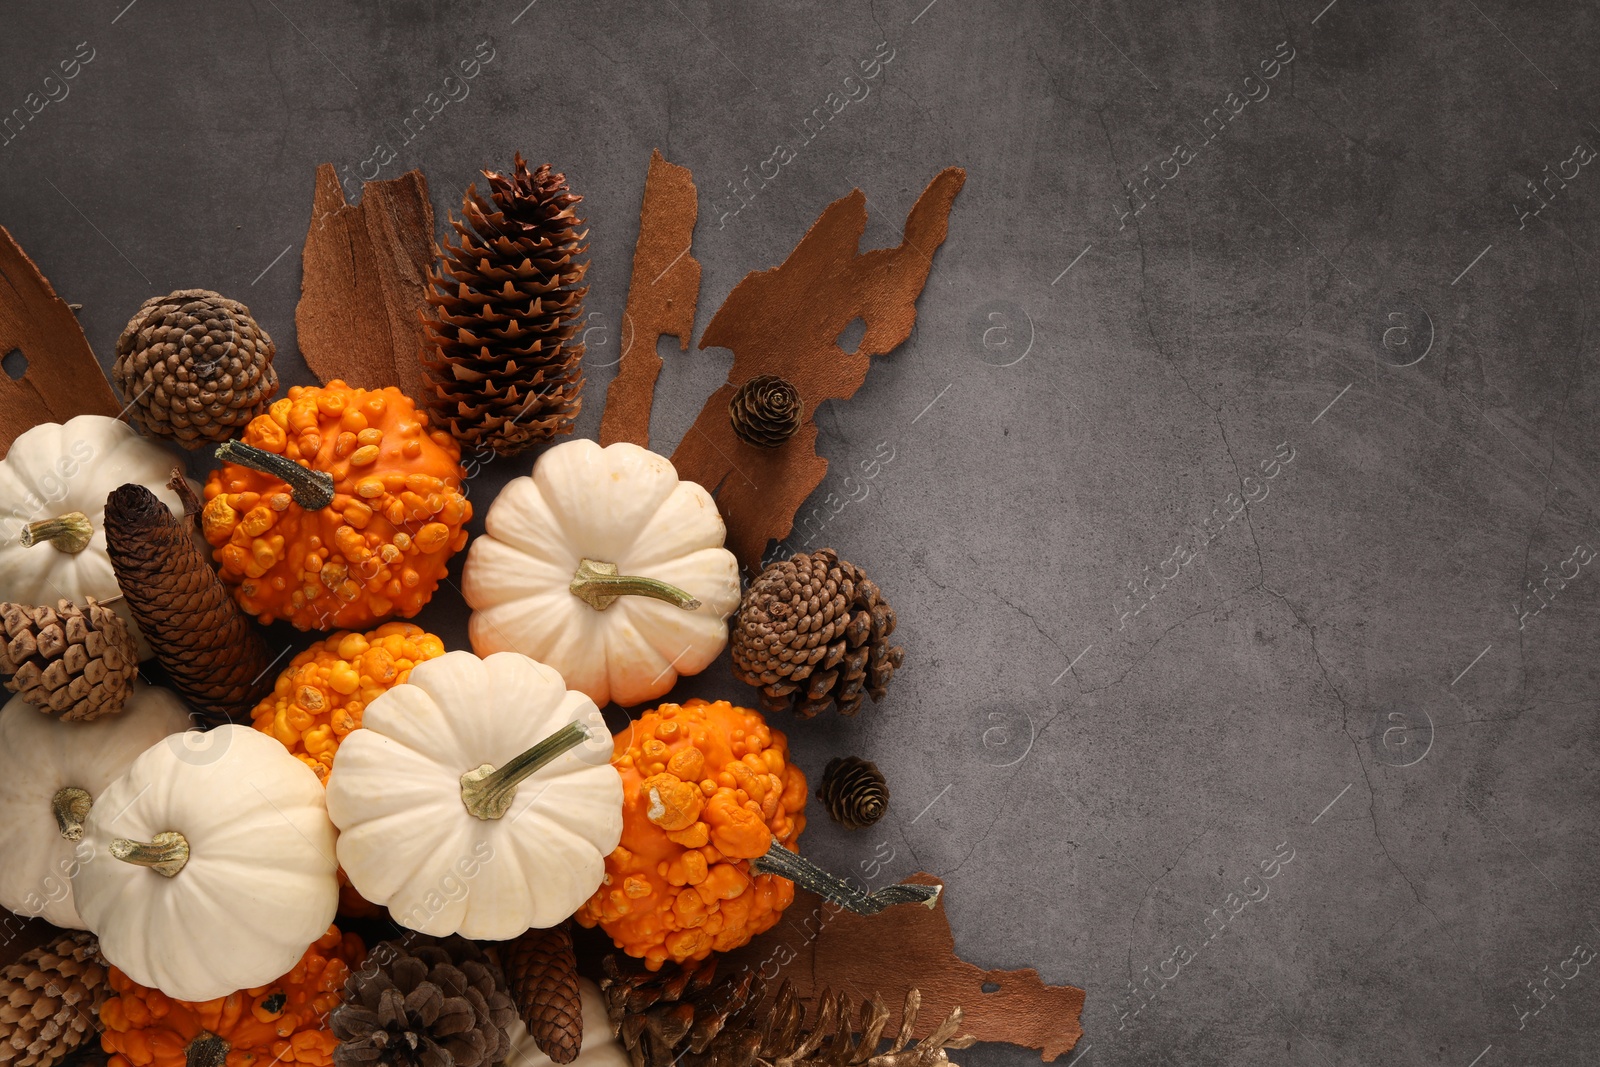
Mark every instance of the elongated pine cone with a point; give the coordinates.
(50, 999)
(499, 351)
(193, 366)
(77, 663)
(687, 1016)
(542, 970)
(215, 655)
(766, 411)
(814, 630)
(854, 792)
(424, 1002)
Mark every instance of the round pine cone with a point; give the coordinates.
(681, 1011)
(193, 366)
(814, 630)
(78, 663)
(766, 411)
(424, 1002)
(543, 973)
(854, 792)
(50, 1000)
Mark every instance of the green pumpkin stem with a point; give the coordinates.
(71, 806)
(165, 854)
(487, 792)
(807, 875)
(599, 585)
(312, 490)
(69, 533)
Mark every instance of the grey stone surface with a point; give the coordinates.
(1341, 275)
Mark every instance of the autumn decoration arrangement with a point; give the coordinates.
(382, 852)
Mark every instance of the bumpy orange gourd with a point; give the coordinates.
(285, 1022)
(705, 789)
(397, 516)
(319, 697)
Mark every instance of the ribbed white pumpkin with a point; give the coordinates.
(258, 885)
(41, 758)
(599, 1049)
(407, 839)
(55, 469)
(624, 506)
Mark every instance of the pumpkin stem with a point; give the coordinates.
(488, 792)
(165, 854)
(70, 533)
(807, 875)
(312, 490)
(598, 585)
(206, 1050)
(71, 806)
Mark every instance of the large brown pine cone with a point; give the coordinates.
(424, 1002)
(77, 663)
(814, 630)
(542, 970)
(686, 1016)
(193, 366)
(50, 1001)
(499, 352)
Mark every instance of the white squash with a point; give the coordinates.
(600, 1048)
(213, 864)
(589, 524)
(53, 487)
(51, 772)
(478, 799)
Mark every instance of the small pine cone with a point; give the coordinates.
(542, 970)
(215, 656)
(814, 630)
(499, 351)
(50, 1001)
(77, 663)
(680, 1011)
(193, 366)
(854, 792)
(766, 411)
(424, 1002)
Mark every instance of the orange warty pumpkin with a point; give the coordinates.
(705, 789)
(319, 697)
(341, 508)
(285, 1022)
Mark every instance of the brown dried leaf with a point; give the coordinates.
(63, 378)
(786, 321)
(364, 282)
(912, 948)
(661, 298)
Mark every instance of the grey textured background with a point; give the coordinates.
(1341, 669)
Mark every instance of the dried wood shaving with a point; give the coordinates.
(364, 282)
(62, 378)
(661, 298)
(817, 948)
(786, 321)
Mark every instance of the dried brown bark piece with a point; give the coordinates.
(817, 947)
(62, 378)
(661, 298)
(786, 321)
(364, 282)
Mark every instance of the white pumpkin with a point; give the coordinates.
(599, 1048)
(213, 864)
(53, 487)
(51, 772)
(469, 803)
(620, 510)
